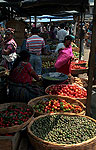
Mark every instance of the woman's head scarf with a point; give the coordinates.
(10, 30)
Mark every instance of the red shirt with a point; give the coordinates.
(22, 73)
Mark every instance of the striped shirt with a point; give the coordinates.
(35, 44)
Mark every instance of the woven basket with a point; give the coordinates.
(78, 71)
(83, 100)
(68, 99)
(40, 144)
(14, 128)
(82, 64)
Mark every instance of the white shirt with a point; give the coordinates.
(61, 34)
(59, 46)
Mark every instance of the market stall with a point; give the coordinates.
(45, 105)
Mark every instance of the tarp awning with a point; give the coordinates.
(47, 7)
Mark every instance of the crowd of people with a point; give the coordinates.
(28, 63)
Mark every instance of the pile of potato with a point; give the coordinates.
(79, 81)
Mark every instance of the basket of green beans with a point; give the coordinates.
(62, 132)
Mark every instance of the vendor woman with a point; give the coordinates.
(21, 87)
(8, 49)
(65, 55)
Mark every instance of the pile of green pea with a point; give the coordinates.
(63, 129)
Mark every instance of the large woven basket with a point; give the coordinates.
(68, 99)
(83, 100)
(15, 128)
(40, 144)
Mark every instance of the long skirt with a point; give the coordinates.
(24, 92)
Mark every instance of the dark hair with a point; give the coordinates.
(35, 30)
(68, 37)
(62, 25)
(22, 56)
(66, 28)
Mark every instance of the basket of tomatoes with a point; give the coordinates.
(14, 117)
(82, 63)
(77, 69)
(56, 104)
(70, 90)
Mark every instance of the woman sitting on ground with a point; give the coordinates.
(21, 75)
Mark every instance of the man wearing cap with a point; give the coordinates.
(35, 44)
(61, 33)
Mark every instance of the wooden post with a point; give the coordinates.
(81, 36)
(35, 20)
(30, 21)
(9, 13)
(91, 62)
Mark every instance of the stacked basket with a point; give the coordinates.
(7, 110)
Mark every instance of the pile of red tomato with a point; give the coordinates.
(77, 67)
(53, 105)
(73, 91)
(79, 62)
(14, 115)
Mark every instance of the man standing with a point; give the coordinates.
(35, 44)
(61, 33)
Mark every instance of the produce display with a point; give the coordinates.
(77, 67)
(48, 64)
(54, 105)
(79, 81)
(76, 54)
(14, 115)
(51, 57)
(79, 62)
(64, 129)
(73, 91)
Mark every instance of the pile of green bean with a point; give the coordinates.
(63, 129)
